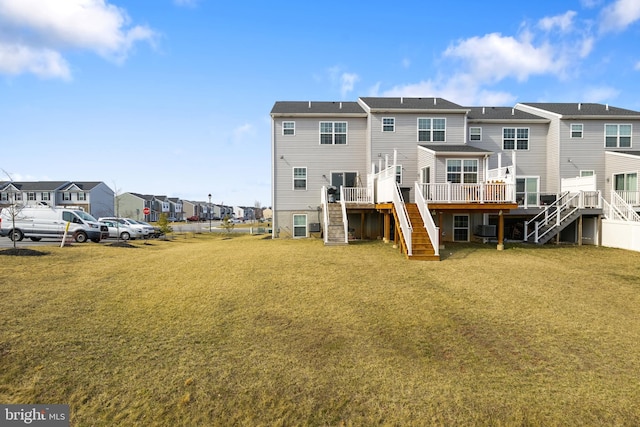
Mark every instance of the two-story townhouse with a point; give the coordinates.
(94, 197)
(175, 208)
(132, 205)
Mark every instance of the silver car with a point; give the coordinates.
(123, 231)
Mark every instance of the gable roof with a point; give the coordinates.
(39, 185)
(316, 108)
(583, 110)
(375, 104)
(501, 114)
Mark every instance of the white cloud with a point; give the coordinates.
(619, 15)
(494, 57)
(406, 63)
(600, 94)
(51, 26)
(563, 22)
(17, 59)
(188, 3)
(590, 4)
(637, 66)
(347, 81)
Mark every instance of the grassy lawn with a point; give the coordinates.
(207, 330)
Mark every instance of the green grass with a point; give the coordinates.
(212, 330)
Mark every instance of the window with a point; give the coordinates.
(82, 196)
(515, 138)
(66, 196)
(299, 178)
(333, 133)
(462, 171)
(475, 134)
(288, 128)
(388, 124)
(17, 196)
(527, 191)
(431, 130)
(31, 196)
(399, 174)
(617, 136)
(4, 197)
(576, 130)
(626, 185)
(299, 226)
(44, 196)
(587, 173)
(461, 228)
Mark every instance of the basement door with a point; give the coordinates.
(346, 179)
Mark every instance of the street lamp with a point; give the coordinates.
(209, 212)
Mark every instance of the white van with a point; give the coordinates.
(37, 222)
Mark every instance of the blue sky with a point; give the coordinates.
(172, 97)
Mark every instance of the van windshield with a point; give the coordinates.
(85, 216)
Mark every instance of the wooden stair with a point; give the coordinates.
(335, 231)
(421, 247)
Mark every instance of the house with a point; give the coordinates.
(425, 171)
(93, 197)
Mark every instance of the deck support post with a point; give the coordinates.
(500, 231)
(387, 227)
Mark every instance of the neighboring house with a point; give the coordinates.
(404, 168)
(175, 208)
(93, 197)
(132, 205)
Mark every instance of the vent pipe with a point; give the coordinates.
(513, 111)
(579, 106)
(607, 107)
(482, 110)
(401, 100)
(309, 104)
(341, 105)
(434, 101)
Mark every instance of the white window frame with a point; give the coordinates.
(587, 172)
(294, 226)
(399, 174)
(333, 133)
(285, 128)
(516, 139)
(618, 135)
(431, 130)
(31, 196)
(81, 196)
(571, 130)
(528, 196)
(295, 178)
(390, 125)
(66, 196)
(454, 228)
(478, 133)
(45, 196)
(462, 171)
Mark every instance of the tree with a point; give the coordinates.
(13, 210)
(227, 224)
(163, 223)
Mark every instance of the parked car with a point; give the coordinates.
(147, 231)
(194, 218)
(157, 232)
(124, 231)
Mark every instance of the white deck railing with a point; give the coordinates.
(623, 208)
(427, 219)
(357, 194)
(553, 215)
(403, 217)
(630, 197)
(469, 193)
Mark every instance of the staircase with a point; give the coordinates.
(422, 249)
(335, 229)
(552, 220)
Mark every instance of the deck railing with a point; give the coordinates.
(357, 194)
(623, 208)
(403, 217)
(469, 193)
(345, 222)
(427, 219)
(325, 217)
(630, 197)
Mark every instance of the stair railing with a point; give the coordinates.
(624, 209)
(403, 217)
(324, 200)
(427, 219)
(552, 216)
(345, 223)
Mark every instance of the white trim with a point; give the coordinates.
(293, 226)
(285, 128)
(431, 130)
(617, 125)
(571, 125)
(306, 178)
(393, 125)
(515, 139)
(454, 228)
(471, 134)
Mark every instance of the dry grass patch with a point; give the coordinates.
(246, 330)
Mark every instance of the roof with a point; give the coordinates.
(458, 149)
(501, 114)
(285, 108)
(580, 109)
(402, 103)
(39, 185)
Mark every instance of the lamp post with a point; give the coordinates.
(209, 212)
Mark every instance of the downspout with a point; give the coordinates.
(274, 210)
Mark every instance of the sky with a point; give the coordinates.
(172, 97)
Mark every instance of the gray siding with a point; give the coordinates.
(304, 150)
(616, 163)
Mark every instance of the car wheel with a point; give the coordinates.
(81, 237)
(16, 235)
(125, 236)
(35, 239)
